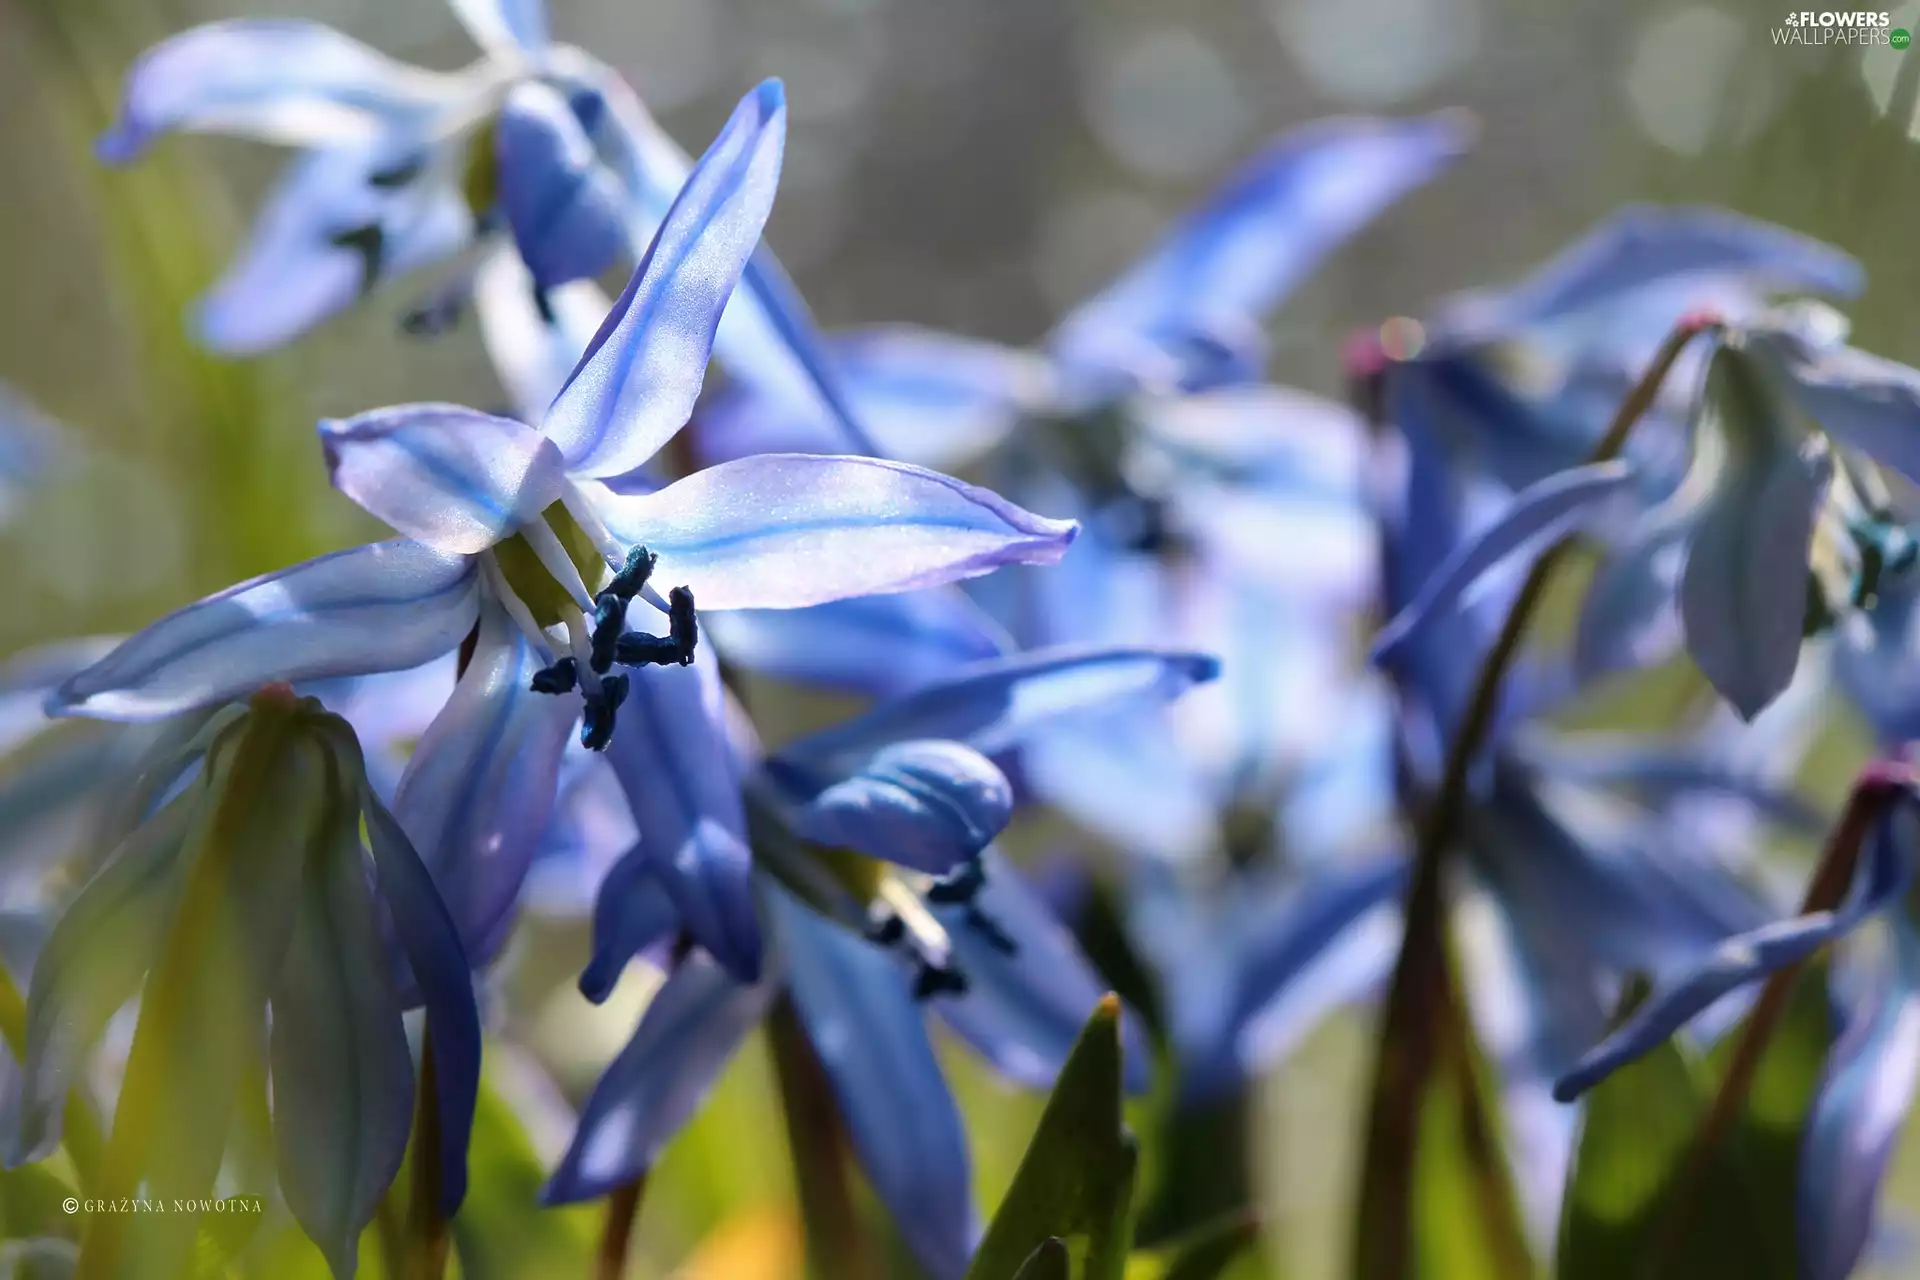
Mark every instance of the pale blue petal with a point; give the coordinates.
(1236, 256)
(1866, 1093)
(631, 914)
(1743, 590)
(671, 754)
(566, 210)
(1645, 245)
(1746, 958)
(1537, 518)
(638, 380)
(994, 706)
(383, 607)
(1867, 402)
(444, 475)
(1663, 774)
(783, 531)
(431, 943)
(870, 1035)
(1024, 1008)
(1629, 620)
(296, 269)
(504, 28)
(281, 80)
(28, 677)
(481, 784)
(875, 645)
(341, 1070)
(687, 1036)
(591, 829)
(1127, 778)
(928, 805)
(533, 354)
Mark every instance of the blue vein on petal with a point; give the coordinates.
(668, 759)
(258, 620)
(825, 524)
(449, 477)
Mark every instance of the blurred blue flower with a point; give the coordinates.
(30, 445)
(506, 525)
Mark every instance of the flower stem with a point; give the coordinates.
(428, 1240)
(1424, 989)
(616, 1236)
(1874, 793)
(837, 1247)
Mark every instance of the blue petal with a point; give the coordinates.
(28, 677)
(782, 531)
(1865, 1095)
(638, 380)
(870, 1035)
(444, 475)
(566, 210)
(342, 1073)
(296, 268)
(1662, 775)
(533, 353)
(431, 942)
(383, 607)
(480, 785)
(929, 805)
(1629, 620)
(281, 80)
(1538, 517)
(78, 983)
(31, 444)
(1879, 677)
(591, 829)
(1743, 959)
(922, 397)
(688, 1034)
(671, 755)
(1229, 261)
(1646, 245)
(877, 645)
(992, 707)
(1867, 402)
(632, 913)
(504, 28)
(1024, 1008)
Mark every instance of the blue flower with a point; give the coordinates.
(512, 539)
(910, 780)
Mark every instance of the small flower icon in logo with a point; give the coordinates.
(1899, 38)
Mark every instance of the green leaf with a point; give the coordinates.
(1202, 1254)
(501, 1232)
(1465, 1221)
(1051, 1261)
(1075, 1183)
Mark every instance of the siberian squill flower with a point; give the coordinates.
(880, 826)
(512, 538)
(245, 886)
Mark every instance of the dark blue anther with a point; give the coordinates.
(962, 884)
(683, 625)
(609, 620)
(558, 678)
(634, 574)
(596, 727)
(934, 980)
(887, 930)
(638, 649)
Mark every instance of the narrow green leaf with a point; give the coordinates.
(1465, 1220)
(501, 1232)
(1205, 1253)
(1051, 1261)
(1075, 1183)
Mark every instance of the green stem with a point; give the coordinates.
(616, 1235)
(837, 1246)
(1424, 989)
(80, 1126)
(428, 1240)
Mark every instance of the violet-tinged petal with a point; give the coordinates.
(480, 785)
(566, 210)
(1024, 1007)
(533, 353)
(504, 28)
(1127, 779)
(783, 531)
(921, 396)
(928, 805)
(1742, 959)
(444, 475)
(631, 913)
(431, 943)
(281, 80)
(1645, 245)
(330, 231)
(1629, 619)
(995, 705)
(28, 677)
(870, 1034)
(341, 1070)
(670, 752)
(1664, 775)
(875, 645)
(687, 1036)
(387, 606)
(591, 829)
(78, 982)
(1865, 401)
(638, 380)
(1866, 1092)
(1538, 517)
(1227, 262)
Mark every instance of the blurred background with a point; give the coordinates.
(977, 167)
